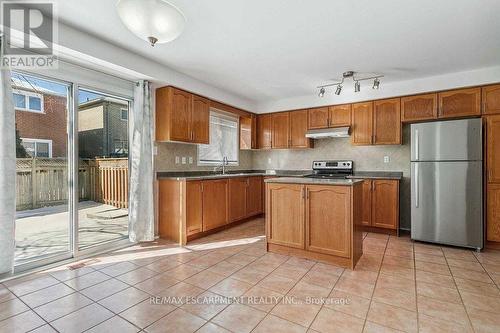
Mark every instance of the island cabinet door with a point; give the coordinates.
(285, 214)
(194, 208)
(254, 196)
(385, 209)
(328, 220)
(366, 216)
(214, 203)
(237, 198)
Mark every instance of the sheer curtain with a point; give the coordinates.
(141, 211)
(7, 171)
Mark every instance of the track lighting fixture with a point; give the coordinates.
(356, 77)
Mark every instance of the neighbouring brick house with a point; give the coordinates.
(103, 128)
(40, 119)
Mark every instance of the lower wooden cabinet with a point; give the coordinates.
(285, 215)
(381, 203)
(237, 198)
(328, 220)
(194, 207)
(214, 203)
(254, 196)
(493, 213)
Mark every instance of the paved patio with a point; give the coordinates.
(45, 231)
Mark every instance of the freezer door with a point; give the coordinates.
(455, 140)
(446, 203)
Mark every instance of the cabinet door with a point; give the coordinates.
(194, 208)
(264, 131)
(180, 116)
(419, 108)
(200, 123)
(298, 129)
(237, 198)
(493, 213)
(318, 118)
(493, 148)
(366, 216)
(248, 135)
(254, 196)
(460, 103)
(385, 204)
(214, 203)
(491, 99)
(362, 123)
(281, 130)
(285, 215)
(340, 115)
(328, 220)
(387, 122)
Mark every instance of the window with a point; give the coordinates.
(37, 147)
(28, 101)
(124, 114)
(224, 141)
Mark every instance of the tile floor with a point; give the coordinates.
(397, 286)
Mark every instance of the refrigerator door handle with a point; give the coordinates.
(416, 186)
(416, 145)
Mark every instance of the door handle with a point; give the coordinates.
(417, 143)
(416, 186)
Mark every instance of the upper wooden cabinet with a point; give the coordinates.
(214, 203)
(385, 214)
(280, 130)
(328, 220)
(340, 115)
(181, 116)
(362, 123)
(460, 103)
(419, 107)
(298, 129)
(491, 99)
(319, 118)
(387, 122)
(264, 131)
(285, 207)
(248, 132)
(493, 149)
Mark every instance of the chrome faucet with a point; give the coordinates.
(222, 167)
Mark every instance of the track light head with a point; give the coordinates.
(357, 86)
(376, 83)
(321, 92)
(338, 90)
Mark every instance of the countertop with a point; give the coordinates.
(200, 175)
(314, 181)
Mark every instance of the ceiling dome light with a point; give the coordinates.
(155, 21)
(376, 83)
(321, 92)
(357, 86)
(338, 90)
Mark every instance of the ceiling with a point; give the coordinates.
(268, 50)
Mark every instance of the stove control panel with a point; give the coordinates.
(332, 165)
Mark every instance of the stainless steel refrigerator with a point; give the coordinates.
(447, 183)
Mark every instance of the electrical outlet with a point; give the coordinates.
(177, 160)
(387, 159)
(190, 159)
(269, 161)
(183, 159)
(155, 150)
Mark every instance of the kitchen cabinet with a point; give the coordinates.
(194, 207)
(285, 215)
(264, 131)
(362, 123)
(493, 149)
(181, 116)
(340, 115)
(491, 99)
(214, 203)
(459, 103)
(493, 213)
(280, 130)
(419, 108)
(237, 198)
(328, 220)
(298, 129)
(381, 203)
(387, 122)
(248, 132)
(254, 196)
(319, 118)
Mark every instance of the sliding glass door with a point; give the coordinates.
(72, 175)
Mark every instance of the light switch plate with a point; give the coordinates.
(177, 160)
(190, 159)
(155, 150)
(387, 159)
(183, 160)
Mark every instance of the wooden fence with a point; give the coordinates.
(43, 182)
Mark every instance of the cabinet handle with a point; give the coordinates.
(201, 187)
(307, 193)
(303, 193)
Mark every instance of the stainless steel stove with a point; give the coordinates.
(331, 169)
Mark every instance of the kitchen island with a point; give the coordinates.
(318, 219)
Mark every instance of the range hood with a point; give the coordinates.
(336, 132)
